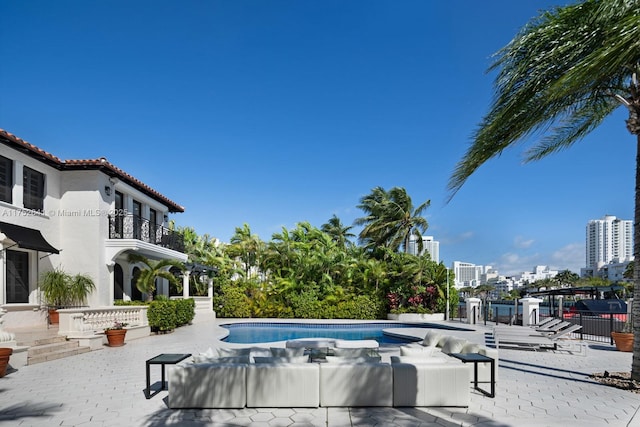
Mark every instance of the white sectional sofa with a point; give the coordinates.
(424, 375)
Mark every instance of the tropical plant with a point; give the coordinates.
(339, 233)
(146, 282)
(562, 75)
(247, 247)
(566, 278)
(60, 289)
(390, 219)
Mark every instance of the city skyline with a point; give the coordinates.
(274, 113)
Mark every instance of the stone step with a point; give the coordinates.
(58, 354)
(63, 345)
(43, 341)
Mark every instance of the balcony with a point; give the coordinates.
(135, 227)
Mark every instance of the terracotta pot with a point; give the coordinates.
(623, 341)
(116, 337)
(4, 360)
(54, 317)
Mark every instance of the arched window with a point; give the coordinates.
(136, 295)
(118, 282)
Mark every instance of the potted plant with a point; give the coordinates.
(5, 353)
(624, 339)
(116, 334)
(60, 290)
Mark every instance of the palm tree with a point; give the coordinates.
(562, 75)
(247, 247)
(391, 219)
(338, 232)
(146, 282)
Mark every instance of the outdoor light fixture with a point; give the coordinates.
(107, 190)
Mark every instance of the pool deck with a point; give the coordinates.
(106, 388)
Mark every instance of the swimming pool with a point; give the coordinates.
(254, 332)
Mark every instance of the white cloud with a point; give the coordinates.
(569, 257)
(520, 243)
(511, 264)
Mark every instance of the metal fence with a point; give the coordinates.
(596, 326)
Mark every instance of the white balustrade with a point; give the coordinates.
(88, 321)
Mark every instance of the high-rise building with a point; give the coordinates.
(467, 274)
(609, 239)
(430, 246)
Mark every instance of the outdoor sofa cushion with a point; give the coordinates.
(356, 384)
(431, 384)
(283, 385)
(207, 386)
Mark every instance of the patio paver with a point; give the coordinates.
(106, 388)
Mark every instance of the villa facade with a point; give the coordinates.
(84, 216)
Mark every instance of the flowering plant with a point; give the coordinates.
(116, 326)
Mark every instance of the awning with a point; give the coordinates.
(27, 238)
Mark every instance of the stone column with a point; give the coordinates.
(530, 311)
(560, 307)
(185, 284)
(473, 304)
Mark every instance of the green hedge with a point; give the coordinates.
(166, 315)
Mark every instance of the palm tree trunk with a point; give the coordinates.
(635, 314)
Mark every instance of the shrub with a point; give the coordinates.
(231, 301)
(360, 307)
(185, 310)
(306, 305)
(162, 315)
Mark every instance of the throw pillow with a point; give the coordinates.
(227, 352)
(470, 348)
(453, 345)
(352, 352)
(431, 339)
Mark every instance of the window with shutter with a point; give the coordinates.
(33, 188)
(6, 179)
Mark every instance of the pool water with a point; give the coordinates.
(245, 333)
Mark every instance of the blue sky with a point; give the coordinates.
(275, 112)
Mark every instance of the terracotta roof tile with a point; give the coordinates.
(100, 163)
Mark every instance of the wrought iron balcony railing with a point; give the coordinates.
(136, 227)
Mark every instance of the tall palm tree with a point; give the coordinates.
(247, 247)
(391, 219)
(338, 232)
(562, 75)
(146, 282)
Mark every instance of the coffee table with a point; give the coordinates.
(162, 360)
(476, 358)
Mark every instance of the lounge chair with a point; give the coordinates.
(558, 330)
(537, 340)
(549, 322)
(553, 326)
